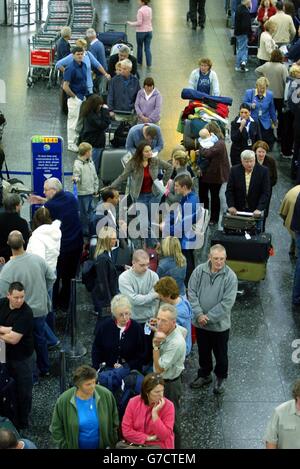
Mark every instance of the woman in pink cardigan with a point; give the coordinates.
(143, 25)
(149, 418)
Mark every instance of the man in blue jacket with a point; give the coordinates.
(183, 220)
(97, 48)
(63, 206)
(122, 92)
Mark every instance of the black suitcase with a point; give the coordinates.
(239, 248)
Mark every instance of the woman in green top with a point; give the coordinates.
(85, 416)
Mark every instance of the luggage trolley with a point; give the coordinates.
(41, 61)
(111, 36)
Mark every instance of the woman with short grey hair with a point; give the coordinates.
(119, 340)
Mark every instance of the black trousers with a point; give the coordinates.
(22, 372)
(200, 6)
(212, 342)
(173, 391)
(296, 156)
(214, 190)
(66, 269)
(190, 264)
(287, 137)
(278, 102)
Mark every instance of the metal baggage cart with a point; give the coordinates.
(41, 53)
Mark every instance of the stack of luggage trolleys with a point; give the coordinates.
(41, 47)
(83, 18)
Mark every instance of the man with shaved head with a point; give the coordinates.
(31, 271)
(138, 284)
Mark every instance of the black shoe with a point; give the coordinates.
(200, 382)
(219, 386)
(202, 26)
(194, 26)
(45, 375)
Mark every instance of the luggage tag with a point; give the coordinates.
(247, 236)
(249, 142)
(147, 329)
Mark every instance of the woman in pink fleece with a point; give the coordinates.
(149, 418)
(143, 25)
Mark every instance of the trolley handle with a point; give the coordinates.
(106, 25)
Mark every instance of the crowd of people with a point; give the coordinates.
(145, 313)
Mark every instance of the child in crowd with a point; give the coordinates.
(207, 140)
(85, 176)
(118, 68)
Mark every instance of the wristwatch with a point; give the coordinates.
(155, 348)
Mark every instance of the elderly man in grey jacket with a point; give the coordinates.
(212, 291)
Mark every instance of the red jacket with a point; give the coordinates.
(137, 423)
(261, 11)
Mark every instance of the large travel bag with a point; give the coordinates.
(111, 164)
(255, 249)
(110, 36)
(248, 271)
(235, 224)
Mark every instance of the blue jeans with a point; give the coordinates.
(40, 344)
(85, 203)
(50, 336)
(241, 49)
(144, 38)
(296, 286)
(96, 156)
(148, 200)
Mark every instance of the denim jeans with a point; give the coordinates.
(40, 344)
(85, 203)
(296, 286)
(50, 336)
(148, 200)
(241, 49)
(96, 156)
(144, 38)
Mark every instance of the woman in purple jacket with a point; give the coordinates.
(148, 103)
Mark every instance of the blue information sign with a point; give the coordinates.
(46, 162)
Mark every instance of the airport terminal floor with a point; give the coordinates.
(264, 326)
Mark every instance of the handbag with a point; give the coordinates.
(126, 445)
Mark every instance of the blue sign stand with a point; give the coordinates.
(46, 162)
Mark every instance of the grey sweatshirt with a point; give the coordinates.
(139, 289)
(36, 276)
(213, 295)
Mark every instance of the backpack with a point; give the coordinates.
(132, 387)
(112, 378)
(120, 135)
(89, 274)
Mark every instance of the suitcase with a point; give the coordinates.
(255, 249)
(111, 165)
(109, 37)
(248, 271)
(235, 224)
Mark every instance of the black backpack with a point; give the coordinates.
(120, 135)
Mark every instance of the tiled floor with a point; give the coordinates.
(263, 324)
